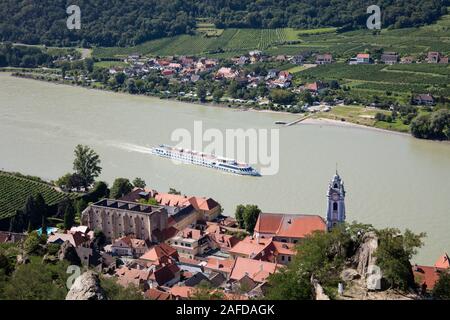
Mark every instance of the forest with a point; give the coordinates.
(127, 23)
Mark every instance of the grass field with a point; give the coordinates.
(363, 116)
(14, 192)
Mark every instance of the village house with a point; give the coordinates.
(436, 57)
(226, 73)
(290, 228)
(160, 254)
(389, 58)
(190, 243)
(361, 58)
(219, 265)
(257, 271)
(130, 276)
(120, 218)
(264, 249)
(424, 99)
(427, 276)
(407, 60)
(326, 58)
(128, 246)
(315, 87)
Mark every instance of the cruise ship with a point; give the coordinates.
(205, 160)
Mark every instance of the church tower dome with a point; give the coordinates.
(336, 201)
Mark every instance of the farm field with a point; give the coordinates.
(15, 190)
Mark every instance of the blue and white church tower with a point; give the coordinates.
(336, 202)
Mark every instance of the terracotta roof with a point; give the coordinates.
(225, 241)
(284, 248)
(131, 242)
(161, 253)
(191, 233)
(255, 269)
(182, 291)
(443, 262)
(225, 265)
(172, 200)
(193, 262)
(289, 225)
(127, 276)
(165, 273)
(75, 239)
(155, 294)
(363, 55)
(250, 247)
(204, 204)
(426, 276)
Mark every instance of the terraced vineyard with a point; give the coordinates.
(232, 41)
(15, 190)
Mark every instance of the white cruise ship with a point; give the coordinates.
(205, 160)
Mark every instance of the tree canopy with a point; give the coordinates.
(124, 23)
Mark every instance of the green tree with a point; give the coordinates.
(120, 188)
(201, 92)
(174, 191)
(420, 126)
(441, 289)
(86, 164)
(32, 243)
(37, 281)
(239, 215)
(115, 291)
(247, 216)
(394, 253)
(139, 183)
(217, 95)
(69, 216)
(204, 291)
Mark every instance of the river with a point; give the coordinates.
(391, 180)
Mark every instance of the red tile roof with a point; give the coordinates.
(155, 294)
(181, 291)
(289, 225)
(129, 276)
(443, 262)
(257, 270)
(426, 276)
(221, 265)
(161, 253)
(165, 273)
(250, 247)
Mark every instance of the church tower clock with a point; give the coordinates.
(336, 202)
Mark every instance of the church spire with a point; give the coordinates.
(336, 201)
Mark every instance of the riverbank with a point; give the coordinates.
(306, 118)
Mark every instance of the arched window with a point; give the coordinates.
(335, 206)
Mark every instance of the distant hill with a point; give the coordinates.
(131, 22)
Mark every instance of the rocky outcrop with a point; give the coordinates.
(364, 258)
(22, 259)
(319, 294)
(69, 253)
(350, 275)
(86, 287)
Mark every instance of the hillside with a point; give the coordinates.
(343, 45)
(14, 191)
(124, 23)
